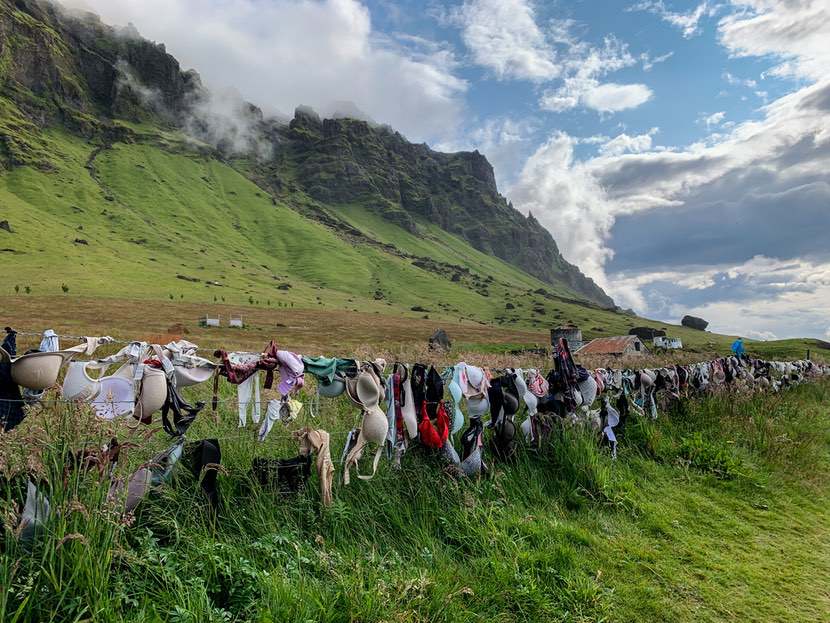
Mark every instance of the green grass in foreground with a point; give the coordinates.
(719, 511)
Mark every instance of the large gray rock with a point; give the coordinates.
(693, 322)
(440, 340)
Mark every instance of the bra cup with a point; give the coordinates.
(527, 396)
(115, 398)
(37, 371)
(408, 411)
(588, 389)
(527, 429)
(511, 405)
(368, 390)
(153, 393)
(375, 425)
(477, 407)
(78, 385)
(333, 389)
(458, 415)
(187, 377)
(126, 371)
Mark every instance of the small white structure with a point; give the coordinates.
(207, 321)
(668, 343)
(235, 322)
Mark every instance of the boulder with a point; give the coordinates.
(5, 225)
(440, 340)
(693, 322)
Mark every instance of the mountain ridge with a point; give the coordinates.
(75, 71)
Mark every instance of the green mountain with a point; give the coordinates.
(70, 79)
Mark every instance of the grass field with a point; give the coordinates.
(718, 511)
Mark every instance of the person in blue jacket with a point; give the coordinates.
(738, 347)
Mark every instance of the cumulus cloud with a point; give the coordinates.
(760, 188)
(584, 66)
(503, 36)
(762, 297)
(688, 23)
(285, 53)
(796, 31)
(607, 97)
(567, 199)
(625, 144)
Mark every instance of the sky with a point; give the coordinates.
(678, 151)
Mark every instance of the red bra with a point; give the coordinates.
(434, 435)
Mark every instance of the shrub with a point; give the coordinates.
(709, 456)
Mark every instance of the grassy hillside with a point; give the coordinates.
(716, 512)
(156, 219)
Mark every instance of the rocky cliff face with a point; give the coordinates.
(348, 161)
(71, 69)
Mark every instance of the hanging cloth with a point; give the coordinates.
(50, 342)
(327, 368)
(10, 342)
(248, 399)
(291, 372)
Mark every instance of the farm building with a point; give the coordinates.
(619, 346)
(571, 333)
(669, 343)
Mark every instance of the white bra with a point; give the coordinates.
(114, 395)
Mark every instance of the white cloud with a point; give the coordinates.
(584, 66)
(284, 53)
(650, 61)
(603, 97)
(713, 120)
(625, 144)
(751, 162)
(611, 97)
(503, 36)
(688, 23)
(564, 196)
(801, 293)
(734, 80)
(795, 31)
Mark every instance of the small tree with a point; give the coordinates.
(65, 288)
(28, 290)
(17, 289)
(251, 300)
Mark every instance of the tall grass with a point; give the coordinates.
(528, 542)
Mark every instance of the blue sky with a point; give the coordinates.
(678, 151)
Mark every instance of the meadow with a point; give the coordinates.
(716, 511)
